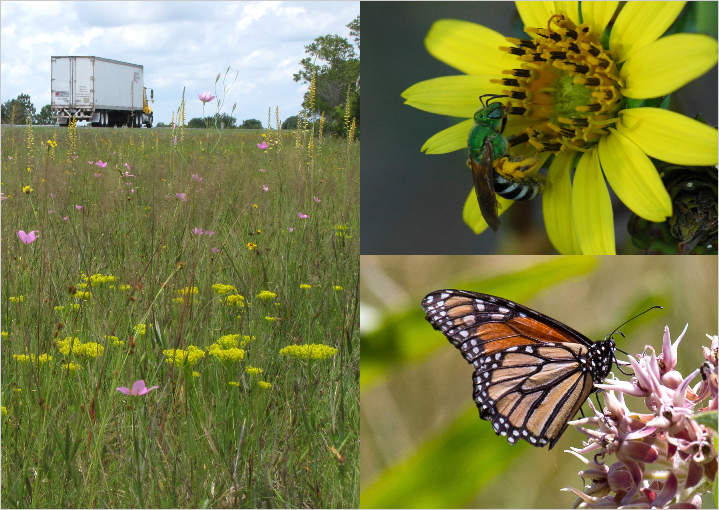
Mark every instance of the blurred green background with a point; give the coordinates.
(422, 442)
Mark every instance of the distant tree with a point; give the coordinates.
(161, 124)
(251, 124)
(337, 65)
(23, 109)
(290, 123)
(198, 122)
(45, 116)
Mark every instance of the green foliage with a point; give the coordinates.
(21, 107)
(337, 65)
(290, 123)
(251, 124)
(218, 437)
(44, 117)
(213, 121)
(161, 124)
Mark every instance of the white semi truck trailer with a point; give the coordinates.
(103, 91)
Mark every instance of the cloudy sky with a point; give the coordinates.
(180, 44)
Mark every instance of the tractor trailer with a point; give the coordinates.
(99, 90)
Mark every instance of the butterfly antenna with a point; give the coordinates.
(616, 331)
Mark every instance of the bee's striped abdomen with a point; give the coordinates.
(524, 188)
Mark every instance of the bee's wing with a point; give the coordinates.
(483, 175)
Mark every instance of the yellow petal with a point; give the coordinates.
(598, 15)
(557, 206)
(592, 208)
(449, 140)
(473, 217)
(471, 48)
(669, 136)
(535, 14)
(639, 24)
(665, 65)
(634, 178)
(456, 96)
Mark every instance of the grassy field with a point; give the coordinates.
(193, 267)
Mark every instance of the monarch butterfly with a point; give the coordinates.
(531, 373)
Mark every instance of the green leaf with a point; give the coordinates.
(431, 478)
(406, 338)
(708, 419)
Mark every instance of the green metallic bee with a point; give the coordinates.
(493, 169)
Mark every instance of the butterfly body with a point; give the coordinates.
(531, 373)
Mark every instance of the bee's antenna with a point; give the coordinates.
(491, 97)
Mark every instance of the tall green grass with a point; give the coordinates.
(211, 435)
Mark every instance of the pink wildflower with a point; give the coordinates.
(291, 229)
(303, 216)
(261, 170)
(138, 389)
(262, 145)
(265, 188)
(97, 174)
(206, 97)
(196, 177)
(209, 232)
(101, 164)
(29, 237)
(78, 207)
(197, 231)
(175, 139)
(181, 196)
(214, 250)
(316, 199)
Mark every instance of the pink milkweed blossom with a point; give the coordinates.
(101, 164)
(206, 97)
(197, 231)
(138, 389)
(181, 196)
(265, 188)
(262, 145)
(303, 216)
(29, 237)
(317, 199)
(196, 177)
(664, 458)
(175, 139)
(78, 207)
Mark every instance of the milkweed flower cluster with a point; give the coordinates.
(266, 295)
(314, 351)
(83, 295)
(264, 384)
(221, 289)
(181, 358)
(226, 349)
(666, 457)
(25, 358)
(87, 350)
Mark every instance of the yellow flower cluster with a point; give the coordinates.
(236, 300)
(270, 319)
(337, 287)
(251, 245)
(181, 358)
(70, 367)
(342, 230)
(17, 299)
(72, 306)
(4, 334)
(253, 371)
(220, 288)
(264, 384)
(88, 350)
(314, 351)
(305, 286)
(27, 189)
(195, 374)
(3, 410)
(114, 340)
(188, 290)
(24, 358)
(83, 295)
(233, 383)
(266, 295)
(140, 329)
(227, 355)
(98, 279)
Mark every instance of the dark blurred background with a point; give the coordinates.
(412, 202)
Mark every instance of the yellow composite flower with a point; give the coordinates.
(578, 93)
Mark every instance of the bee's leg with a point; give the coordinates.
(515, 167)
